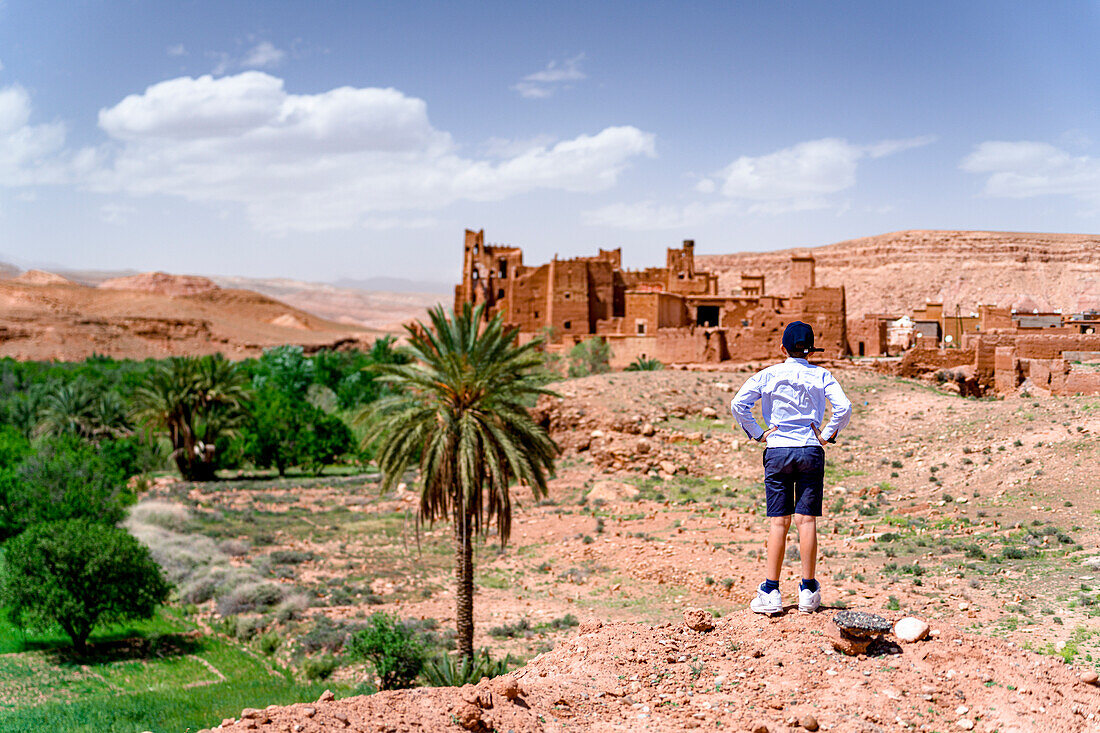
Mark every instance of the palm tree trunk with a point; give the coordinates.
(464, 582)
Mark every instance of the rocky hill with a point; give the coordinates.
(43, 316)
(894, 273)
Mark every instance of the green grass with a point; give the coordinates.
(149, 675)
(169, 710)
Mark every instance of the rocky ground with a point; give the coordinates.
(978, 516)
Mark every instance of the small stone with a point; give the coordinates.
(341, 718)
(250, 713)
(809, 722)
(309, 711)
(648, 430)
(226, 722)
(326, 696)
(965, 723)
(962, 710)
(910, 629)
(964, 606)
(759, 726)
(710, 412)
(1089, 677)
(298, 728)
(507, 687)
(468, 716)
(667, 466)
(697, 619)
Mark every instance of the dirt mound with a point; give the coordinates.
(749, 673)
(289, 320)
(41, 277)
(154, 316)
(162, 283)
(900, 271)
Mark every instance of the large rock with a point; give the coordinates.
(612, 491)
(851, 632)
(910, 629)
(697, 619)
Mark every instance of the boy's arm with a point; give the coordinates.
(842, 409)
(741, 407)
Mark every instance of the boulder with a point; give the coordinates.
(612, 491)
(910, 629)
(851, 632)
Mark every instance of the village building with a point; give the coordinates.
(673, 313)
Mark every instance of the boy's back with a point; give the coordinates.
(792, 396)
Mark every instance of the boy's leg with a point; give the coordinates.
(777, 544)
(807, 544)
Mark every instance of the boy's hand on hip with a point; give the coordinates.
(764, 436)
(818, 434)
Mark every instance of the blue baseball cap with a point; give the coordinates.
(798, 338)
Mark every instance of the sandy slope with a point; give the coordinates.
(899, 271)
(152, 315)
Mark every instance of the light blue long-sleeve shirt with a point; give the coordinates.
(792, 397)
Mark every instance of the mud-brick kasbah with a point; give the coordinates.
(677, 315)
(673, 313)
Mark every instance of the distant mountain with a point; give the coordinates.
(374, 309)
(397, 285)
(47, 317)
(900, 271)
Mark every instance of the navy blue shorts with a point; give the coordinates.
(794, 480)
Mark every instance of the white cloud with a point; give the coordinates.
(263, 55)
(650, 215)
(177, 50)
(803, 176)
(1025, 169)
(116, 213)
(29, 154)
(331, 160)
(544, 83)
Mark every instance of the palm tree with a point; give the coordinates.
(69, 409)
(196, 400)
(459, 415)
(79, 408)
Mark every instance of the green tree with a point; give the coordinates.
(67, 479)
(590, 356)
(285, 430)
(78, 574)
(79, 408)
(459, 416)
(197, 400)
(392, 648)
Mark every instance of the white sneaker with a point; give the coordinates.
(769, 603)
(809, 600)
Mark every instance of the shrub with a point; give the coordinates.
(270, 642)
(253, 596)
(325, 634)
(392, 649)
(644, 365)
(589, 357)
(319, 668)
(446, 671)
(78, 574)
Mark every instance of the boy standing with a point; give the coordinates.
(792, 396)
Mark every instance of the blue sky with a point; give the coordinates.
(324, 140)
